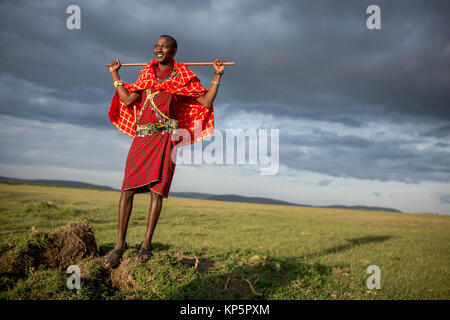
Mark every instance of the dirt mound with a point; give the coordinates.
(122, 278)
(69, 245)
(57, 250)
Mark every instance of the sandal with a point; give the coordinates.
(113, 259)
(144, 254)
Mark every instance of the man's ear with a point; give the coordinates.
(174, 51)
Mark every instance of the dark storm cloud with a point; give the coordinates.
(442, 145)
(350, 156)
(347, 121)
(324, 182)
(291, 55)
(330, 60)
(300, 59)
(439, 132)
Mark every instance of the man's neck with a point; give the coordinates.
(164, 66)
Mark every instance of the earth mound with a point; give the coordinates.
(58, 250)
(69, 245)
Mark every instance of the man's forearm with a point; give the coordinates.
(126, 97)
(210, 95)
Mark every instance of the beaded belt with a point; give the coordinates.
(165, 124)
(152, 128)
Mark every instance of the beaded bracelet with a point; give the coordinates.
(118, 83)
(216, 83)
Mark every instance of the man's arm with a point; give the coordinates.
(208, 98)
(127, 98)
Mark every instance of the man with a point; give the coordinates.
(168, 95)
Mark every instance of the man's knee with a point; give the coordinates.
(128, 194)
(155, 195)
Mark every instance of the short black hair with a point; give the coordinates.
(174, 42)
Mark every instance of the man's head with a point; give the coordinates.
(165, 49)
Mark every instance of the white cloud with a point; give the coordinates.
(32, 142)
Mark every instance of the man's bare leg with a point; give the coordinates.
(153, 216)
(125, 207)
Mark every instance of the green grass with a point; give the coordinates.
(245, 251)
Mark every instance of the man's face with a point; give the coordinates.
(163, 50)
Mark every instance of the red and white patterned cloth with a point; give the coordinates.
(188, 110)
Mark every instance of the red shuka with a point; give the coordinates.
(149, 162)
(189, 112)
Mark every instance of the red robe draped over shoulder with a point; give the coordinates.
(189, 112)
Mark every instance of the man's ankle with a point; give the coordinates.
(146, 245)
(120, 246)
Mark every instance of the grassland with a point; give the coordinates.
(224, 250)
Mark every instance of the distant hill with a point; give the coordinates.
(235, 198)
(338, 206)
(198, 195)
(66, 183)
(231, 197)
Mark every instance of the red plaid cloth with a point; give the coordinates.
(188, 112)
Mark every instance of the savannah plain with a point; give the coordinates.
(222, 250)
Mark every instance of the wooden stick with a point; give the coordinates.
(230, 63)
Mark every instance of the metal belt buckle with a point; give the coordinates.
(173, 124)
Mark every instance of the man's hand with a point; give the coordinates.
(114, 66)
(218, 65)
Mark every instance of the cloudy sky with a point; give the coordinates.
(364, 115)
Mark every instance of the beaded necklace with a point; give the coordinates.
(172, 75)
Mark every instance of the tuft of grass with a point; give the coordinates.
(44, 284)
